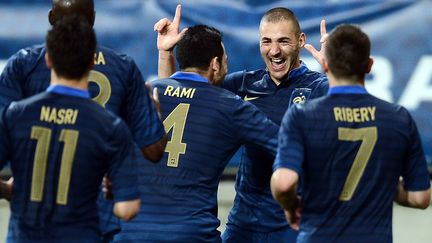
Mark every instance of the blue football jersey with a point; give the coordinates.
(116, 83)
(254, 208)
(61, 144)
(205, 125)
(351, 149)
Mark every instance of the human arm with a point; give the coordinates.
(319, 55)
(413, 188)
(283, 186)
(5, 186)
(253, 127)
(122, 174)
(287, 167)
(6, 189)
(143, 118)
(168, 36)
(127, 210)
(413, 199)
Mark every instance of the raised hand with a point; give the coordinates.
(319, 55)
(168, 31)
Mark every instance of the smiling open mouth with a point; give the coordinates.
(278, 64)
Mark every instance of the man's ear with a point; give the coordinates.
(302, 39)
(93, 18)
(325, 66)
(48, 61)
(369, 66)
(51, 17)
(215, 64)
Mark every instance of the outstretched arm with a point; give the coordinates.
(168, 36)
(319, 55)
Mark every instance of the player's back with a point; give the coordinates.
(60, 148)
(115, 82)
(205, 126)
(356, 147)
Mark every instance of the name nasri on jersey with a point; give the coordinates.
(357, 114)
(180, 92)
(58, 116)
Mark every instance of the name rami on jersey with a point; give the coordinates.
(59, 116)
(99, 58)
(180, 92)
(358, 114)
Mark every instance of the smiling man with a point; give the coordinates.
(255, 216)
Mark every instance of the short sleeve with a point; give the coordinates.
(254, 127)
(415, 172)
(122, 163)
(142, 118)
(290, 152)
(11, 78)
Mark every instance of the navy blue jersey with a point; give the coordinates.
(352, 148)
(254, 207)
(116, 83)
(205, 125)
(60, 146)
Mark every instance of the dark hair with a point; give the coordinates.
(279, 14)
(61, 8)
(71, 46)
(347, 52)
(199, 45)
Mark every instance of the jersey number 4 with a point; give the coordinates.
(176, 122)
(368, 136)
(43, 137)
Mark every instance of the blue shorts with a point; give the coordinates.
(235, 234)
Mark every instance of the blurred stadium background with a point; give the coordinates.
(399, 30)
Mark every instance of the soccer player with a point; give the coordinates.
(351, 149)
(206, 126)
(61, 143)
(256, 216)
(115, 83)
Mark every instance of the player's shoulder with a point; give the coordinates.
(112, 54)
(391, 108)
(315, 79)
(240, 79)
(28, 56)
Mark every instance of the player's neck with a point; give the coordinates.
(72, 83)
(334, 81)
(197, 71)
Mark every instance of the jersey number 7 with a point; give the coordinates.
(368, 136)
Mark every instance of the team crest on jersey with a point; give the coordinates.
(300, 95)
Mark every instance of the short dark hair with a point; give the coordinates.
(199, 45)
(279, 14)
(71, 46)
(61, 8)
(348, 51)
